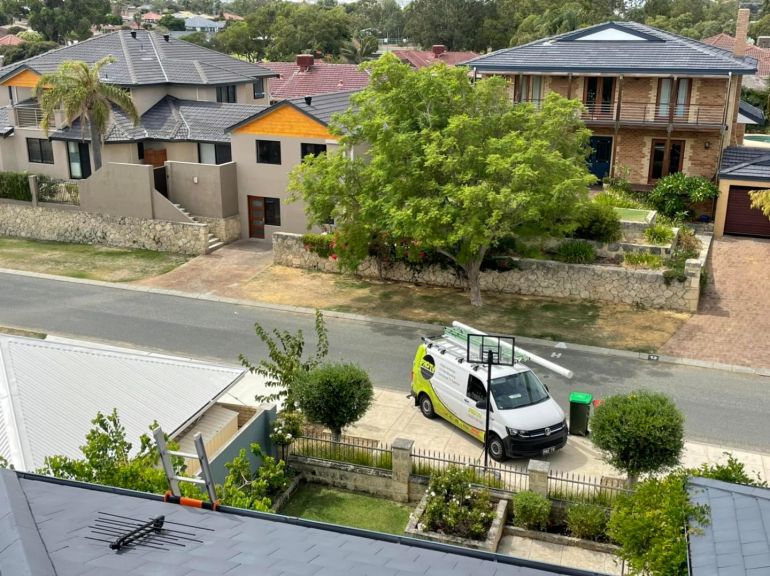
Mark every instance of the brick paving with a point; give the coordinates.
(732, 325)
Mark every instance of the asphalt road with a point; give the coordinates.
(720, 407)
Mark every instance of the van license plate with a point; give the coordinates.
(550, 450)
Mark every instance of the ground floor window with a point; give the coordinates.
(214, 153)
(39, 151)
(79, 160)
(666, 158)
(273, 211)
(309, 148)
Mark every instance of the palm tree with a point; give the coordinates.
(78, 90)
(360, 49)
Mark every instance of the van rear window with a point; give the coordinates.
(518, 390)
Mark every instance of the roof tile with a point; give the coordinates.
(320, 78)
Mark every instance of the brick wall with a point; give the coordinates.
(699, 161)
(560, 85)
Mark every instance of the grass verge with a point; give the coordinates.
(85, 261)
(21, 332)
(315, 502)
(584, 322)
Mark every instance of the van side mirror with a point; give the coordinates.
(481, 404)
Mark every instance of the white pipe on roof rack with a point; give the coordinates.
(534, 357)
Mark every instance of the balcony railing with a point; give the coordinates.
(28, 116)
(651, 113)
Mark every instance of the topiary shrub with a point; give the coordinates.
(576, 252)
(586, 521)
(598, 222)
(454, 508)
(675, 194)
(658, 234)
(320, 244)
(531, 511)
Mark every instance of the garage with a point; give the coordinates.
(743, 169)
(741, 219)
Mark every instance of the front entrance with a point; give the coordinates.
(79, 160)
(666, 158)
(155, 157)
(256, 216)
(600, 160)
(741, 219)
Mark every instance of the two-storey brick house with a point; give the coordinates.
(656, 102)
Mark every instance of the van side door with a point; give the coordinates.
(476, 392)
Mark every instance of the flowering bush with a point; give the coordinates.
(455, 508)
(286, 428)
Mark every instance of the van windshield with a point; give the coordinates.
(517, 390)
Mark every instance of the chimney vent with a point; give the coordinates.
(438, 50)
(133, 33)
(165, 37)
(741, 32)
(308, 100)
(304, 61)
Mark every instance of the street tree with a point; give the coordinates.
(449, 166)
(77, 88)
(359, 49)
(171, 22)
(641, 432)
(61, 20)
(335, 395)
(286, 361)
(237, 38)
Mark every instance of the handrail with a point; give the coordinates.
(650, 112)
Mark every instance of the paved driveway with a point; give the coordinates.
(733, 322)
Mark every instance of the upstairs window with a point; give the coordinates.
(268, 152)
(314, 149)
(259, 88)
(214, 153)
(678, 98)
(226, 93)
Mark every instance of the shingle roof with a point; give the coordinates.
(422, 58)
(147, 59)
(320, 78)
(50, 392)
(615, 47)
(171, 119)
(727, 42)
(47, 527)
(737, 540)
(745, 163)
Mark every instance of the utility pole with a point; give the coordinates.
(490, 359)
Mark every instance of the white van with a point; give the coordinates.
(524, 420)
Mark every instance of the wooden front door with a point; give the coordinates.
(155, 158)
(256, 216)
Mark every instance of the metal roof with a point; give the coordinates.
(745, 163)
(170, 119)
(616, 47)
(737, 540)
(46, 526)
(147, 59)
(50, 392)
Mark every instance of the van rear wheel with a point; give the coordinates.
(496, 448)
(426, 406)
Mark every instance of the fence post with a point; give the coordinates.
(402, 468)
(538, 471)
(33, 189)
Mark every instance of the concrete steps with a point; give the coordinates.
(213, 243)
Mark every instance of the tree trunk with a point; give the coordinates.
(473, 271)
(337, 435)
(96, 145)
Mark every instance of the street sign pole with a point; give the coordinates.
(489, 394)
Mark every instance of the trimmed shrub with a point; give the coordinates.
(576, 252)
(320, 244)
(675, 194)
(15, 186)
(618, 199)
(531, 511)
(659, 234)
(642, 260)
(455, 508)
(586, 521)
(598, 222)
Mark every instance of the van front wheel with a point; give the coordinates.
(496, 448)
(426, 406)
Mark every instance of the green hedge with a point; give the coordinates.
(15, 186)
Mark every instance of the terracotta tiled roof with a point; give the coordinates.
(727, 42)
(320, 78)
(231, 16)
(10, 40)
(422, 58)
(151, 16)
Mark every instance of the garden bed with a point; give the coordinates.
(562, 539)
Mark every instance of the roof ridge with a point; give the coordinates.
(129, 62)
(180, 117)
(760, 492)
(220, 54)
(199, 68)
(225, 69)
(157, 55)
(20, 62)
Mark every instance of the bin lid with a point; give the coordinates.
(580, 398)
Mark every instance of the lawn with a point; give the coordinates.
(22, 332)
(632, 214)
(583, 322)
(315, 502)
(84, 261)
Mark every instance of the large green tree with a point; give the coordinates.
(454, 23)
(77, 88)
(449, 166)
(61, 20)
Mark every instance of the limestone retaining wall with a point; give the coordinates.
(69, 224)
(226, 229)
(531, 277)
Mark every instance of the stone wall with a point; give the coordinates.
(531, 277)
(69, 224)
(226, 229)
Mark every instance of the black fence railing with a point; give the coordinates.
(351, 451)
(570, 487)
(58, 192)
(427, 462)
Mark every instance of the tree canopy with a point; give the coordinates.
(61, 20)
(450, 166)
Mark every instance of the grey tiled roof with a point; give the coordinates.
(751, 112)
(172, 119)
(745, 163)
(42, 522)
(6, 124)
(147, 59)
(737, 541)
(324, 106)
(654, 52)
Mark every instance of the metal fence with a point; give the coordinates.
(350, 450)
(571, 487)
(58, 192)
(427, 462)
